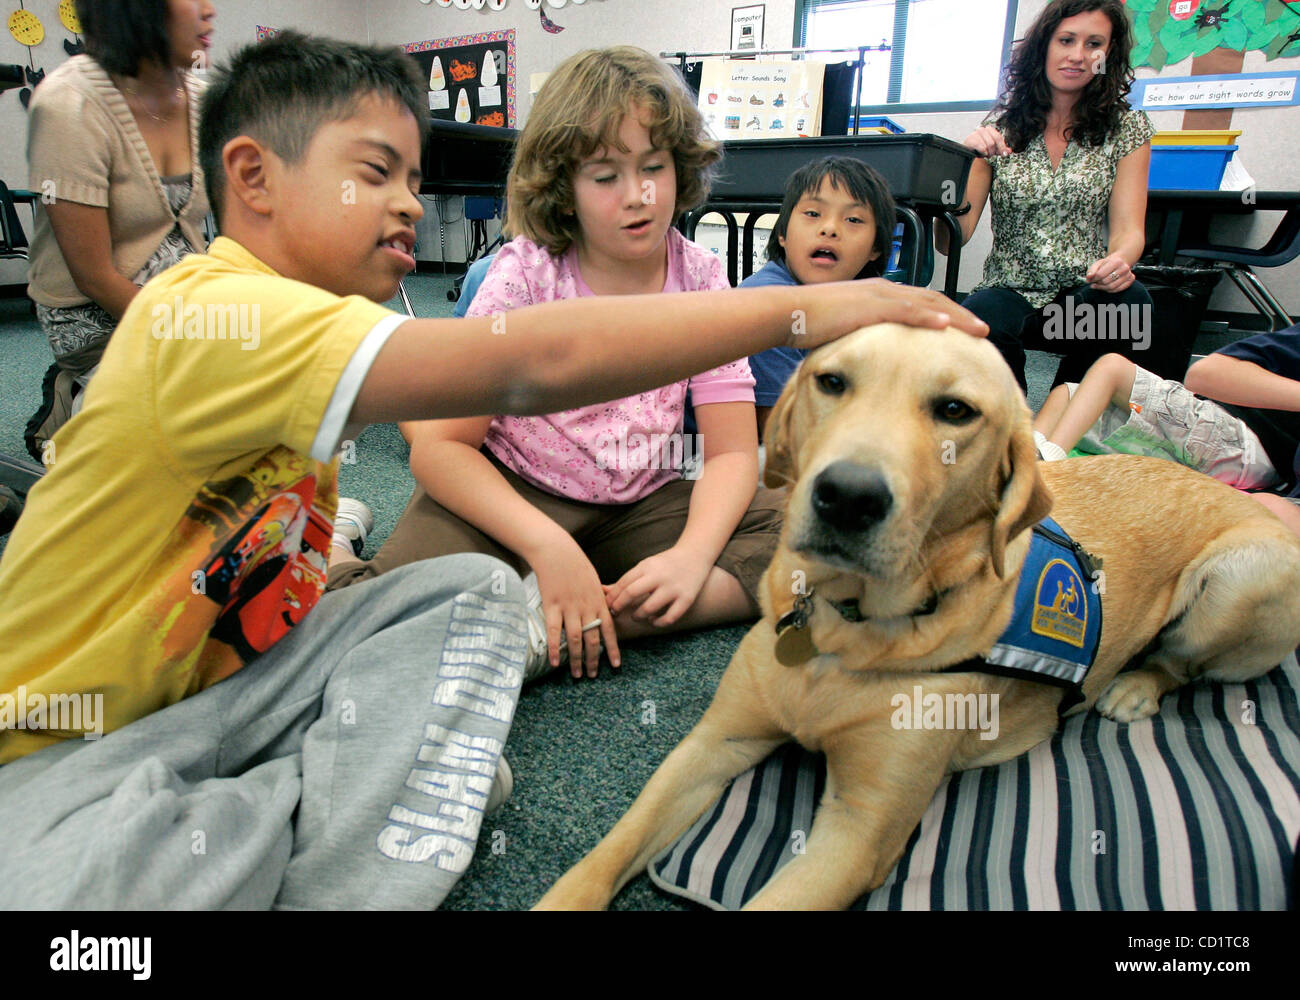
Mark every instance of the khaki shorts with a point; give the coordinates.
(1165, 419)
(615, 537)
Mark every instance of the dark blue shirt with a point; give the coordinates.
(1278, 430)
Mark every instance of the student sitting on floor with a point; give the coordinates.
(836, 224)
(1247, 434)
(593, 499)
(262, 744)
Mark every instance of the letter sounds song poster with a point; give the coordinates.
(781, 99)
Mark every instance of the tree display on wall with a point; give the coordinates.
(1168, 31)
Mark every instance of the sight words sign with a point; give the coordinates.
(1236, 90)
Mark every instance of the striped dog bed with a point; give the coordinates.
(1197, 808)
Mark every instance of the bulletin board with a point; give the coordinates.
(463, 87)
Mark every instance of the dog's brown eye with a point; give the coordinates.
(954, 411)
(831, 384)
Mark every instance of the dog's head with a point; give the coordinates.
(895, 442)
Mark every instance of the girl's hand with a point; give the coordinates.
(1110, 274)
(572, 596)
(660, 588)
(987, 141)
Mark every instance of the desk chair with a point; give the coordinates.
(13, 241)
(406, 302)
(1282, 248)
(19, 474)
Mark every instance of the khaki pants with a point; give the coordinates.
(615, 537)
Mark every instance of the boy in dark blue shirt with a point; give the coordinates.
(836, 224)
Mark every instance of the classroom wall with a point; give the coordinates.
(1267, 146)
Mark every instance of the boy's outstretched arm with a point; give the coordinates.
(1243, 383)
(559, 355)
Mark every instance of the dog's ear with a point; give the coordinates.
(779, 467)
(1025, 499)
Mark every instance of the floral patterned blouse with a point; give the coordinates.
(1049, 225)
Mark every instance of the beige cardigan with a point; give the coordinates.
(83, 146)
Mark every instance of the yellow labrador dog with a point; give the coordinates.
(913, 485)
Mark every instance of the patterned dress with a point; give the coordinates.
(75, 332)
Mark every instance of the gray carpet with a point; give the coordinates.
(581, 751)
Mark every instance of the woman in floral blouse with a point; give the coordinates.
(1062, 156)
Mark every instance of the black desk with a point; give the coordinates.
(927, 175)
(1182, 218)
(466, 159)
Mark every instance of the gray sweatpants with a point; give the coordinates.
(347, 767)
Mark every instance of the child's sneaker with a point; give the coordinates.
(352, 524)
(1048, 451)
(503, 783)
(539, 664)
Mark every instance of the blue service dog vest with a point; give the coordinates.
(1056, 626)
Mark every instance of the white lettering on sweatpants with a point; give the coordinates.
(480, 673)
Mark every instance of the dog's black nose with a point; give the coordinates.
(849, 497)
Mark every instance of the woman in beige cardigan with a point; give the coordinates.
(112, 151)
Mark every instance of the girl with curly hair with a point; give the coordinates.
(1064, 162)
(593, 499)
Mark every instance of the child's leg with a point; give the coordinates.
(426, 530)
(653, 524)
(1108, 382)
(347, 767)
(1053, 407)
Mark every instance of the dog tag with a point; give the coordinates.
(794, 645)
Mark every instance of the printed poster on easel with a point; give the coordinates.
(781, 99)
(471, 78)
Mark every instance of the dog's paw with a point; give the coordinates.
(1130, 697)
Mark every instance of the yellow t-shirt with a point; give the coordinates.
(184, 524)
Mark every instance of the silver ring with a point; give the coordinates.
(1114, 275)
(594, 623)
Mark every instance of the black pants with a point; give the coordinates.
(1081, 324)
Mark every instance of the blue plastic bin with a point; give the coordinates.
(1188, 168)
(878, 121)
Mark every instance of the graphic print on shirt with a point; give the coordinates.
(261, 547)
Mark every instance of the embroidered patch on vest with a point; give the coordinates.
(1060, 604)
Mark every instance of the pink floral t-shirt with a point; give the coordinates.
(616, 452)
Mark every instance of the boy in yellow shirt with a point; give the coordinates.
(181, 536)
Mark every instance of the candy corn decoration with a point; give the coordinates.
(68, 15)
(437, 80)
(26, 28)
(488, 78)
(462, 107)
